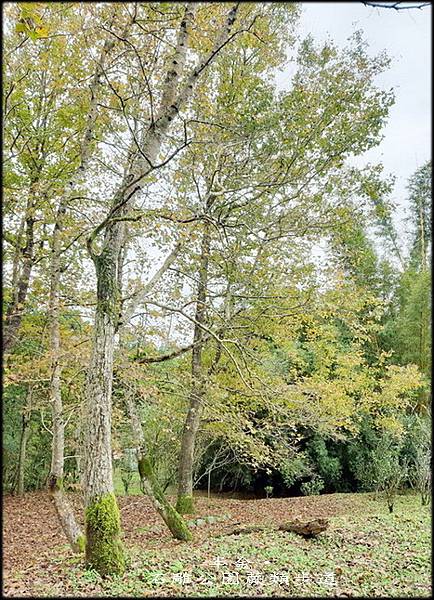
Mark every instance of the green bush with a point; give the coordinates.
(296, 469)
(359, 457)
(388, 472)
(268, 490)
(327, 466)
(418, 455)
(312, 487)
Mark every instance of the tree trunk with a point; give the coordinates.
(149, 483)
(104, 551)
(184, 502)
(14, 312)
(78, 445)
(63, 507)
(103, 548)
(25, 435)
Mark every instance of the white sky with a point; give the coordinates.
(406, 36)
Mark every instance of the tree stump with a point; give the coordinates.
(307, 529)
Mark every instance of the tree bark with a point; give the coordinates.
(104, 550)
(63, 507)
(184, 502)
(25, 435)
(25, 256)
(149, 483)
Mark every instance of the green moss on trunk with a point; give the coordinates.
(81, 543)
(185, 504)
(107, 286)
(177, 525)
(104, 550)
(172, 518)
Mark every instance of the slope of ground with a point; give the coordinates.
(365, 551)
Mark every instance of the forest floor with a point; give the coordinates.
(365, 551)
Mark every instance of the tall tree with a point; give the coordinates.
(103, 548)
(63, 507)
(246, 194)
(412, 327)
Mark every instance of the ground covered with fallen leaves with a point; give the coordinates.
(365, 551)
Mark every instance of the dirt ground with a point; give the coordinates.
(32, 535)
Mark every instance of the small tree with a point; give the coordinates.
(422, 475)
(128, 467)
(268, 490)
(388, 471)
(313, 487)
(420, 467)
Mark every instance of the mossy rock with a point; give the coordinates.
(206, 519)
(191, 523)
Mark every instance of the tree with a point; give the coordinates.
(264, 192)
(103, 549)
(410, 323)
(388, 472)
(133, 130)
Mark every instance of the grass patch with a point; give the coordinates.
(365, 552)
(134, 487)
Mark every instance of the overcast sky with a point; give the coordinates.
(406, 36)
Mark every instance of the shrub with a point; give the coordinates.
(312, 487)
(419, 451)
(421, 475)
(295, 469)
(268, 490)
(327, 466)
(126, 477)
(388, 471)
(128, 466)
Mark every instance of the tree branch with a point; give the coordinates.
(397, 5)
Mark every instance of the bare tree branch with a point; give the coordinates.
(397, 5)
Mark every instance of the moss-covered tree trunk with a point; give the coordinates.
(184, 502)
(149, 483)
(104, 551)
(152, 488)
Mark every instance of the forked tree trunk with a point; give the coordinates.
(184, 502)
(23, 267)
(149, 483)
